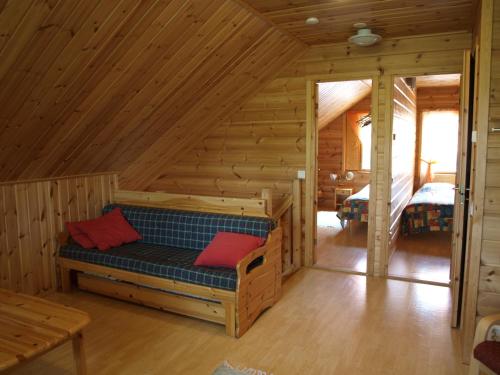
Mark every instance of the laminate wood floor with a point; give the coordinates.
(423, 256)
(339, 248)
(325, 323)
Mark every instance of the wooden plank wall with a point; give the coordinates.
(488, 301)
(338, 152)
(482, 294)
(263, 144)
(430, 99)
(34, 213)
(404, 128)
(89, 85)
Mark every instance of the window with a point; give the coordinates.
(365, 135)
(440, 140)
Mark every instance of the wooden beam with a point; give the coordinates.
(267, 196)
(297, 225)
(311, 171)
(232, 206)
(372, 206)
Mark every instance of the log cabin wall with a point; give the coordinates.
(488, 300)
(482, 293)
(435, 98)
(34, 213)
(339, 150)
(89, 85)
(260, 146)
(404, 130)
(263, 144)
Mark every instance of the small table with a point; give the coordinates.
(341, 194)
(31, 326)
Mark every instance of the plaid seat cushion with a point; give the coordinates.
(155, 260)
(188, 230)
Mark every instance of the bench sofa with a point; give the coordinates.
(158, 270)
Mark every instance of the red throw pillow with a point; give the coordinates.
(109, 230)
(227, 249)
(79, 237)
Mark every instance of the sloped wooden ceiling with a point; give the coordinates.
(440, 80)
(93, 85)
(390, 18)
(334, 98)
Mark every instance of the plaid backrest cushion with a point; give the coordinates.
(189, 230)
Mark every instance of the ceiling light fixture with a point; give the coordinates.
(312, 21)
(364, 36)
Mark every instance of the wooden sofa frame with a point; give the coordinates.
(482, 332)
(258, 286)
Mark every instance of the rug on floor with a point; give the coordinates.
(227, 369)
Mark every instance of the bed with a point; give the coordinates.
(355, 207)
(430, 209)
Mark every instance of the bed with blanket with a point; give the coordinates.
(355, 207)
(430, 209)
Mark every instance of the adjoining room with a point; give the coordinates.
(425, 151)
(344, 173)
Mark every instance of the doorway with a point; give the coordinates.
(425, 162)
(343, 174)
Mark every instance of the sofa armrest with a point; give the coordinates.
(484, 327)
(243, 267)
(259, 282)
(251, 262)
(63, 238)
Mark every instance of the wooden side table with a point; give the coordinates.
(31, 326)
(341, 194)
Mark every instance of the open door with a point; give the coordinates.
(462, 189)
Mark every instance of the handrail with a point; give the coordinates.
(282, 208)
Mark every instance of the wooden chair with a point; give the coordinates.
(485, 354)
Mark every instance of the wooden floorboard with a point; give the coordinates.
(338, 248)
(325, 323)
(423, 256)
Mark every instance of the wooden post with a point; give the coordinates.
(311, 173)
(296, 226)
(287, 242)
(372, 205)
(230, 318)
(267, 194)
(65, 279)
(79, 354)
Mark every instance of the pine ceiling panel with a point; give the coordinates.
(267, 55)
(91, 85)
(334, 98)
(389, 18)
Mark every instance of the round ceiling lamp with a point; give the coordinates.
(312, 21)
(364, 37)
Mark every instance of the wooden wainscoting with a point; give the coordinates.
(34, 213)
